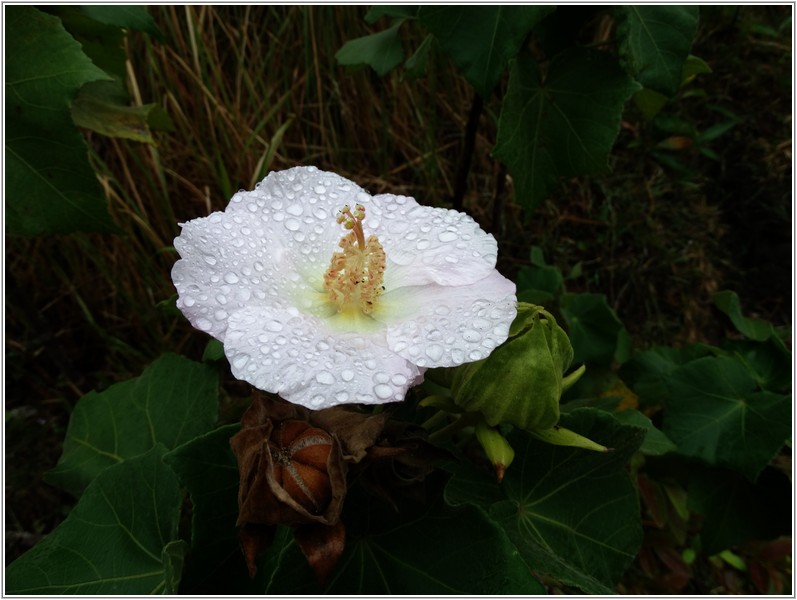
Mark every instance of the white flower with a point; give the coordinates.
(409, 287)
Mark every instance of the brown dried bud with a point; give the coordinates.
(300, 454)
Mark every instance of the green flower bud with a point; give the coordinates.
(496, 448)
(521, 381)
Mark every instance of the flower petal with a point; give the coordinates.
(269, 248)
(439, 326)
(429, 245)
(306, 362)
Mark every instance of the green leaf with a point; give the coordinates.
(715, 413)
(207, 468)
(103, 106)
(398, 12)
(381, 51)
(481, 39)
(50, 187)
(113, 541)
(656, 443)
(755, 329)
(416, 64)
(735, 510)
(173, 401)
(768, 362)
(173, 558)
(423, 549)
(563, 125)
(125, 16)
(571, 513)
(596, 333)
(655, 42)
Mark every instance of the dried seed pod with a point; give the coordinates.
(300, 453)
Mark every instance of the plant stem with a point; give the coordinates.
(467, 151)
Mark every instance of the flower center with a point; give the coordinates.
(355, 275)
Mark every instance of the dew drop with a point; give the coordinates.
(383, 391)
(220, 315)
(188, 301)
(370, 363)
(325, 377)
(204, 324)
(481, 324)
(221, 299)
(475, 355)
(210, 260)
(442, 310)
(295, 210)
(447, 236)
(320, 189)
(317, 400)
(347, 374)
(435, 352)
(342, 397)
(231, 277)
(274, 326)
(399, 379)
(423, 244)
(457, 355)
(471, 335)
(381, 377)
(293, 224)
(240, 360)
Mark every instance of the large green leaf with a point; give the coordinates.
(128, 17)
(381, 51)
(715, 413)
(655, 41)
(207, 468)
(481, 39)
(564, 124)
(755, 329)
(596, 333)
(50, 187)
(571, 513)
(426, 549)
(173, 401)
(103, 106)
(117, 540)
(735, 510)
(423, 549)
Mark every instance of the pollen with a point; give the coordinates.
(356, 273)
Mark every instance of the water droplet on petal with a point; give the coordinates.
(231, 277)
(442, 310)
(423, 244)
(293, 224)
(295, 210)
(274, 326)
(188, 301)
(204, 324)
(399, 379)
(447, 236)
(220, 315)
(325, 377)
(210, 260)
(382, 391)
(471, 335)
(435, 352)
(221, 299)
(381, 377)
(317, 400)
(320, 189)
(342, 397)
(240, 360)
(347, 375)
(370, 363)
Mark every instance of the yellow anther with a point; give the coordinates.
(355, 275)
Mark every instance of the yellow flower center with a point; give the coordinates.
(355, 275)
